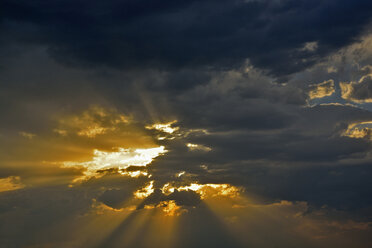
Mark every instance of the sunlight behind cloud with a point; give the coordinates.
(145, 191)
(205, 190)
(164, 127)
(170, 208)
(120, 159)
(196, 147)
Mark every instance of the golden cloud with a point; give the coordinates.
(10, 183)
(359, 130)
(326, 88)
(92, 122)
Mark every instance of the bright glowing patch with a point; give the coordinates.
(10, 183)
(206, 190)
(121, 159)
(167, 189)
(181, 173)
(134, 173)
(196, 147)
(164, 127)
(145, 191)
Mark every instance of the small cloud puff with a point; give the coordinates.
(326, 88)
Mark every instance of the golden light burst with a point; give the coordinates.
(98, 127)
(120, 159)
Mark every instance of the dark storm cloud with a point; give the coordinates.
(186, 33)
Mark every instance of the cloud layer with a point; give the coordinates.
(185, 124)
(187, 33)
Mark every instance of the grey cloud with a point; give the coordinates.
(360, 92)
(115, 198)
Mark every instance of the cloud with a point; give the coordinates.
(181, 198)
(310, 46)
(164, 127)
(360, 92)
(115, 198)
(92, 122)
(195, 110)
(10, 183)
(196, 147)
(120, 159)
(327, 88)
(187, 33)
(359, 130)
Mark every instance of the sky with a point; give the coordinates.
(185, 124)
